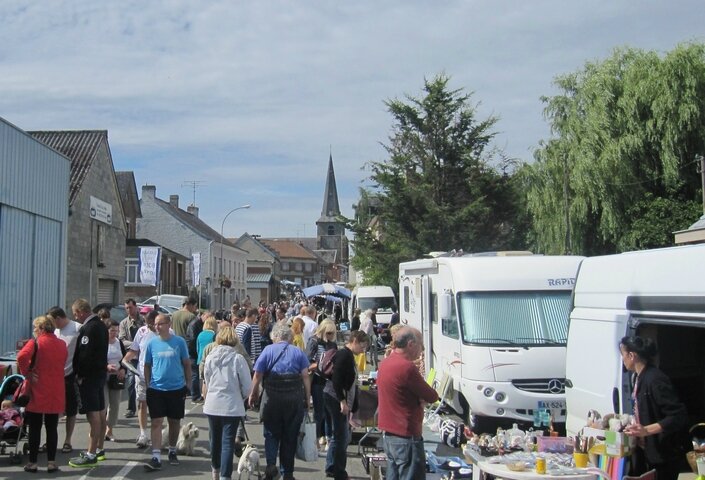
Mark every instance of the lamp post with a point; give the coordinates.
(222, 240)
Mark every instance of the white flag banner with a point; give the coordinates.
(149, 265)
(196, 258)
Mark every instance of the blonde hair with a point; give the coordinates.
(7, 404)
(297, 325)
(210, 324)
(325, 326)
(227, 336)
(44, 323)
(81, 305)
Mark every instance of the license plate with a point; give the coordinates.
(552, 405)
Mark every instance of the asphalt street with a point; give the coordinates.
(125, 461)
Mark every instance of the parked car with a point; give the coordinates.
(118, 312)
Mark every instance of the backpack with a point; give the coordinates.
(326, 363)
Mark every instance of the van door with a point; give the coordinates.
(593, 364)
(426, 321)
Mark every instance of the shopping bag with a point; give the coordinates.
(23, 394)
(306, 448)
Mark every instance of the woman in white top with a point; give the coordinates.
(227, 382)
(113, 394)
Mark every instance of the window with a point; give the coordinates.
(179, 274)
(449, 326)
(520, 317)
(308, 267)
(285, 266)
(434, 307)
(299, 266)
(331, 230)
(100, 245)
(132, 270)
(406, 299)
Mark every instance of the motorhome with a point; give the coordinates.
(653, 293)
(173, 301)
(497, 324)
(379, 297)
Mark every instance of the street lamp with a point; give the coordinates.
(222, 240)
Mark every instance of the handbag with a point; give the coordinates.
(114, 383)
(23, 394)
(306, 448)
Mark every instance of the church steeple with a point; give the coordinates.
(331, 208)
(330, 228)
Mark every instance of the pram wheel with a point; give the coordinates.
(15, 458)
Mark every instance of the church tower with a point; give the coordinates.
(330, 230)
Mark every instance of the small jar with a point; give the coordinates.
(540, 465)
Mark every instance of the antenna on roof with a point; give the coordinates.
(193, 184)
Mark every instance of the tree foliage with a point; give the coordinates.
(437, 191)
(619, 171)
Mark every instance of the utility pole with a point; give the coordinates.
(567, 206)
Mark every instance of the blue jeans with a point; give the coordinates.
(281, 430)
(195, 381)
(323, 422)
(406, 459)
(130, 384)
(222, 437)
(337, 457)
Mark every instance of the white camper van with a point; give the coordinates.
(654, 293)
(497, 324)
(380, 297)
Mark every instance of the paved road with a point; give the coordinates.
(124, 460)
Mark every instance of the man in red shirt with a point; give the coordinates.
(402, 395)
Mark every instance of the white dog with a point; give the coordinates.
(186, 443)
(249, 462)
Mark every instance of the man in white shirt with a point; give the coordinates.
(67, 330)
(308, 313)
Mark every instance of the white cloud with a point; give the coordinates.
(248, 96)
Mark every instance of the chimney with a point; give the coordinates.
(149, 191)
(193, 210)
(174, 200)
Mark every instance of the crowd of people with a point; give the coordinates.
(270, 358)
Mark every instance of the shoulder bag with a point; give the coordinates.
(23, 394)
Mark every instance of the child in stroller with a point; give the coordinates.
(12, 429)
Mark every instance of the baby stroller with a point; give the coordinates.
(13, 435)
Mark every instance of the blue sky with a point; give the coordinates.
(249, 97)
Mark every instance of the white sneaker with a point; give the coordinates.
(142, 441)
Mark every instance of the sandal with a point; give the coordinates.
(29, 468)
(51, 468)
(67, 448)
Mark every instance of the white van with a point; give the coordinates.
(380, 297)
(497, 324)
(173, 301)
(653, 293)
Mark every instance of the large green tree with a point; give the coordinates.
(439, 189)
(619, 172)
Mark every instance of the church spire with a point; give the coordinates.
(331, 208)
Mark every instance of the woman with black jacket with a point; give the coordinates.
(340, 400)
(661, 418)
(323, 340)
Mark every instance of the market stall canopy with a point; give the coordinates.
(327, 289)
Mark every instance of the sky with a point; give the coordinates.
(248, 99)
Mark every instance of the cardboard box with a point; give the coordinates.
(617, 444)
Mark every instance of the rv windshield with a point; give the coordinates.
(524, 318)
(382, 304)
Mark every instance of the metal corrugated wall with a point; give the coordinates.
(34, 185)
(16, 234)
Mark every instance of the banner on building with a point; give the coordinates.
(149, 265)
(196, 270)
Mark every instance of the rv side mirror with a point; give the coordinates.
(444, 305)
